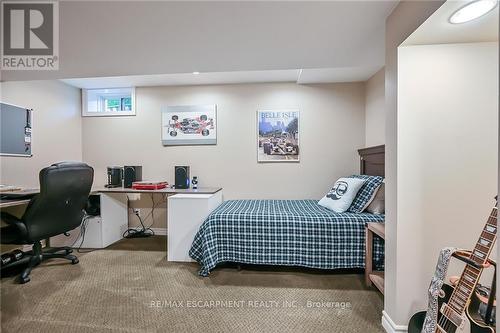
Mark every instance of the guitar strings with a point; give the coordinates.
(443, 321)
(446, 324)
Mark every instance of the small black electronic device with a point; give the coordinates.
(115, 175)
(17, 254)
(131, 174)
(93, 206)
(6, 259)
(182, 177)
(194, 183)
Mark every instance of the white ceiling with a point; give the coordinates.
(305, 76)
(438, 30)
(116, 39)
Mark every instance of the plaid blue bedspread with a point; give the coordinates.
(283, 232)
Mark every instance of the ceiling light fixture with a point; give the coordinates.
(196, 73)
(473, 10)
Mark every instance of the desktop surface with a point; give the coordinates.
(23, 196)
(13, 202)
(20, 193)
(17, 197)
(200, 190)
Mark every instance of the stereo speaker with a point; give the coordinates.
(115, 175)
(131, 174)
(182, 177)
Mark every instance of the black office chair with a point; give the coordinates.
(64, 191)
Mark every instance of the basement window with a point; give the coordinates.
(108, 102)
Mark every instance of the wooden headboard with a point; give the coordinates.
(372, 161)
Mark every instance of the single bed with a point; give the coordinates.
(288, 232)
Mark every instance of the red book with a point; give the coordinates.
(145, 185)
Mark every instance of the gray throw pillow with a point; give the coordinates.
(377, 206)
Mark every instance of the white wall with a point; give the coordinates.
(56, 128)
(332, 128)
(375, 109)
(447, 155)
(404, 19)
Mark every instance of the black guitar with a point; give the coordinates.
(461, 298)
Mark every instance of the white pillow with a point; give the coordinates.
(340, 197)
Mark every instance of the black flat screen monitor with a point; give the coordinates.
(15, 130)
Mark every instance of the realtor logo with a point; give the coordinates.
(30, 35)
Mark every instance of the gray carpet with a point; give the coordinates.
(130, 287)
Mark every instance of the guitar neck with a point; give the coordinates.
(471, 274)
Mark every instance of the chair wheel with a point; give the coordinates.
(24, 280)
(75, 261)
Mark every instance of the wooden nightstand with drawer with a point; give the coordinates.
(373, 277)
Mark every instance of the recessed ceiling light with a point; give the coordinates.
(196, 73)
(472, 11)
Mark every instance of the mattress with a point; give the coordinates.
(283, 232)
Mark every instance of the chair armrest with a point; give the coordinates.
(9, 218)
(13, 221)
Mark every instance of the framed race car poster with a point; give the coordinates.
(189, 125)
(278, 135)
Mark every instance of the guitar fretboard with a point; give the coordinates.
(470, 276)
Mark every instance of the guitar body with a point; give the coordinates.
(472, 313)
(474, 321)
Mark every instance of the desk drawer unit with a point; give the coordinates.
(186, 213)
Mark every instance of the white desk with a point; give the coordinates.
(200, 190)
(23, 201)
(113, 222)
(4, 203)
(192, 211)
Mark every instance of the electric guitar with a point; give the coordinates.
(457, 301)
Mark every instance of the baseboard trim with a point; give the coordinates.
(160, 231)
(390, 326)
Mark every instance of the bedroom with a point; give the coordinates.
(340, 96)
